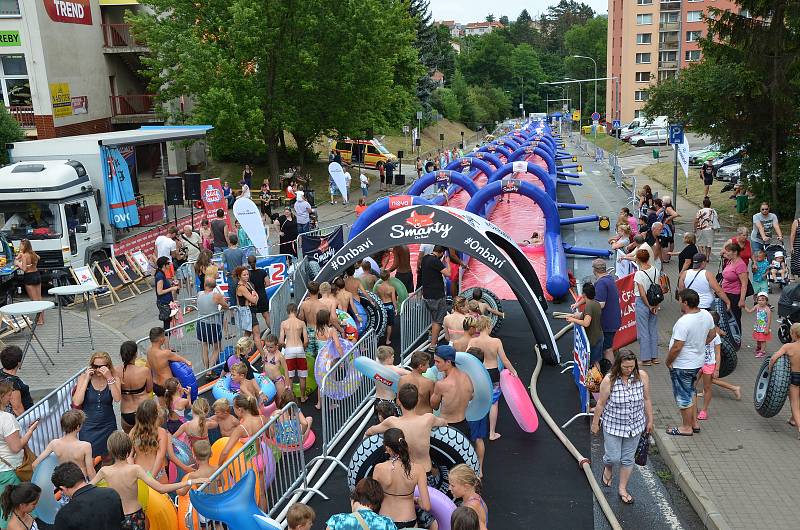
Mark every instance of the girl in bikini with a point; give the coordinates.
(196, 428)
(274, 363)
(398, 477)
(136, 383)
(17, 502)
(176, 399)
(250, 422)
(465, 485)
(324, 333)
(287, 430)
(453, 323)
(151, 443)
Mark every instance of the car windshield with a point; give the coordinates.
(381, 149)
(30, 220)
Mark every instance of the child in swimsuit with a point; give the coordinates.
(222, 418)
(69, 448)
(201, 450)
(274, 363)
(197, 428)
(247, 387)
(383, 393)
(288, 430)
(294, 338)
(177, 399)
(792, 351)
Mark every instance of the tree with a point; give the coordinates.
(521, 31)
(443, 56)
(589, 40)
(490, 17)
(504, 20)
(10, 131)
(559, 19)
(445, 101)
(426, 45)
(528, 74)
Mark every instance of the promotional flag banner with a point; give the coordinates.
(122, 209)
(249, 216)
(321, 248)
(337, 174)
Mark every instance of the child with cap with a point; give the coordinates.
(454, 392)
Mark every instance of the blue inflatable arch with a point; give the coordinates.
(474, 163)
(484, 156)
(443, 177)
(548, 181)
(509, 141)
(556, 260)
(494, 148)
(381, 207)
(524, 152)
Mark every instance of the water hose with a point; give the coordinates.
(583, 462)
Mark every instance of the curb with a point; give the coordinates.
(711, 516)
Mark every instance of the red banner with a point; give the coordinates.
(626, 334)
(214, 199)
(400, 201)
(146, 241)
(69, 11)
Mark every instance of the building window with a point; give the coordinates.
(642, 58)
(644, 2)
(692, 55)
(644, 38)
(667, 74)
(694, 16)
(638, 113)
(669, 17)
(642, 77)
(667, 57)
(15, 84)
(644, 20)
(640, 95)
(693, 36)
(9, 8)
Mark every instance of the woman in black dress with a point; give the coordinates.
(266, 202)
(96, 392)
(287, 226)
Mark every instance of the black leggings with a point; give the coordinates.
(736, 310)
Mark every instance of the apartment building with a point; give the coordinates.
(650, 40)
(72, 67)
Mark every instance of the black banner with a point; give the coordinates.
(321, 248)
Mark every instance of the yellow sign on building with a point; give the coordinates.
(61, 100)
(576, 115)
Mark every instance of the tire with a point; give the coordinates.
(376, 313)
(727, 323)
(771, 388)
(640, 143)
(783, 330)
(448, 448)
(313, 269)
(728, 357)
(494, 302)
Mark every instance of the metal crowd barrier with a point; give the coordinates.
(49, 410)
(183, 338)
(187, 297)
(277, 306)
(415, 322)
(300, 279)
(279, 444)
(340, 415)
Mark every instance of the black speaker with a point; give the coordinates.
(174, 191)
(418, 142)
(400, 179)
(400, 154)
(191, 186)
(441, 137)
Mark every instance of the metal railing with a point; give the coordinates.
(132, 104)
(415, 322)
(300, 279)
(278, 476)
(119, 36)
(49, 410)
(187, 297)
(277, 306)
(339, 415)
(24, 115)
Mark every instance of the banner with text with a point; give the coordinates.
(321, 248)
(276, 267)
(626, 334)
(249, 217)
(214, 199)
(580, 354)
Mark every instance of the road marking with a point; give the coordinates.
(596, 172)
(663, 505)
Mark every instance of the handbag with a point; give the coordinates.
(640, 456)
(664, 282)
(24, 471)
(164, 311)
(654, 293)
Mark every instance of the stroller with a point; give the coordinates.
(778, 272)
(788, 311)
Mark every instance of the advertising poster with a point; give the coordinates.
(627, 331)
(60, 99)
(214, 199)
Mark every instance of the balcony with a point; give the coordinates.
(667, 65)
(669, 25)
(670, 5)
(23, 115)
(117, 38)
(668, 45)
(134, 108)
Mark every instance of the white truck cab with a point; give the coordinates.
(52, 203)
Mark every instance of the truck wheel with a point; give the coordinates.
(771, 387)
(728, 357)
(96, 256)
(494, 302)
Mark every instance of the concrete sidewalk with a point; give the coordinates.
(741, 470)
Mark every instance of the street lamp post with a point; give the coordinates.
(595, 77)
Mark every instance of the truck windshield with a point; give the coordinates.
(30, 220)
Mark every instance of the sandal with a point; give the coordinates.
(607, 483)
(655, 361)
(674, 431)
(627, 498)
(647, 363)
(695, 430)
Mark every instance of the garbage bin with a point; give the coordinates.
(656, 154)
(742, 203)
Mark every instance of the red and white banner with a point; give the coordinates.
(214, 199)
(69, 11)
(626, 334)
(146, 241)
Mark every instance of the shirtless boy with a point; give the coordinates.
(346, 299)
(158, 358)
(420, 362)
(388, 295)
(792, 351)
(454, 392)
(123, 478)
(367, 278)
(384, 393)
(352, 284)
(483, 307)
(222, 418)
(402, 266)
(461, 343)
(201, 450)
(492, 349)
(415, 426)
(69, 448)
(327, 299)
(294, 337)
(308, 314)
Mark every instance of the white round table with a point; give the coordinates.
(30, 309)
(73, 290)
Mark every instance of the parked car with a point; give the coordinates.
(731, 157)
(730, 172)
(699, 156)
(633, 132)
(651, 137)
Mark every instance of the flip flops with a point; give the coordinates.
(607, 484)
(627, 498)
(674, 431)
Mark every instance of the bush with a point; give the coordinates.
(10, 131)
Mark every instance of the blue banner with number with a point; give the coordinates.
(580, 368)
(122, 210)
(277, 271)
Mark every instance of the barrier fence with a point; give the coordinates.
(415, 321)
(300, 279)
(277, 307)
(275, 453)
(49, 410)
(348, 391)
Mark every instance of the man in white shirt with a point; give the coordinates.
(348, 178)
(686, 356)
(192, 242)
(364, 184)
(302, 212)
(165, 244)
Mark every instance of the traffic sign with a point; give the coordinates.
(676, 134)
(616, 124)
(595, 116)
(595, 122)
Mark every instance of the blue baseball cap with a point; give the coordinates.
(446, 352)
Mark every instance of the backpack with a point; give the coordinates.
(655, 295)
